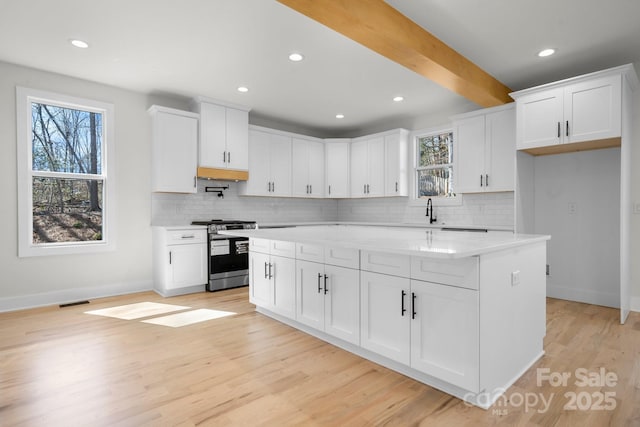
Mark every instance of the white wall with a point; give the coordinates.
(577, 202)
(35, 281)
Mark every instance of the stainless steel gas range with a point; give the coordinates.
(228, 255)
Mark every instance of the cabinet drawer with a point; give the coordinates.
(342, 257)
(385, 263)
(259, 245)
(454, 272)
(282, 248)
(186, 236)
(309, 252)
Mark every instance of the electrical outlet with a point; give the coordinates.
(515, 278)
(573, 207)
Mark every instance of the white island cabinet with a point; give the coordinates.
(459, 311)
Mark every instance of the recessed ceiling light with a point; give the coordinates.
(296, 57)
(80, 43)
(546, 52)
(339, 116)
(398, 99)
(243, 89)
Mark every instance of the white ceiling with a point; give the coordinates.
(210, 47)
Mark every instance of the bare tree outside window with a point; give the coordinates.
(67, 186)
(435, 165)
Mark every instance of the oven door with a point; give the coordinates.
(228, 255)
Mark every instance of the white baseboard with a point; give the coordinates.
(586, 296)
(70, 295)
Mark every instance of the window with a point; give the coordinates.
(65, 147)
(434, 165)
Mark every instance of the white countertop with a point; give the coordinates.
(404, 240)
(424, 225)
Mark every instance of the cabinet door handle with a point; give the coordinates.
(325, 284)
(265, 271)
(310, 189)
(367, 188)
(329, 190)
(224, 157)
(396, 187)
(364, 188)
(169, 257)
(273, 187)
(270, 274)
(558, 129)
(195, 182)
(486, 180)
(229, 157)
(319, 285)
(403, 310)
(480, 180)
(567, 128)
(413, 305)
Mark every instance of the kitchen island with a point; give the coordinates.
(461, 311)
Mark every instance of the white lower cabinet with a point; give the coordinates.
(385, 316)
(179, 260)
(272, 283)
(431, 327)
(445, 333)
(327, 299)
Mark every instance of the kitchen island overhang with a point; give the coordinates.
(463, 312)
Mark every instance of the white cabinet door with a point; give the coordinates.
(376, 165)
(260, 292)
(396, 163)
(337, 168)
(359, 168)
(385, 315)
(342, 303)
(299, 168)
(539, 119)
(592, 109)
(310, 294)
(283, 277)
(500, 151)
(280, 165)
(187, 265)
(237, 125)
(445, 333)
(259, 182)
(213, 139)
(307, 166)
(174, 151)
(316, 168)
(469, 136)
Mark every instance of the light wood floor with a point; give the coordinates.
(61, 367)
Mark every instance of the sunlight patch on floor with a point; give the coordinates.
(137, 310)
(189, 317)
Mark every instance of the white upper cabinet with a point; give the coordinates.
(307, 168)
(367, 167)
(224, 136)
(337, 167)
(174, 150)
(486, 147)
(396, 163)
(269, 165)
(582, 109)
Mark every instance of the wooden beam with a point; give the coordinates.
(383, 29)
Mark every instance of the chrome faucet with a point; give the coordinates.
(429, 213)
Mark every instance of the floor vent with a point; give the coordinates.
(70, 304)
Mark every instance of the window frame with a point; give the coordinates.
(456, 199)
(25, 97)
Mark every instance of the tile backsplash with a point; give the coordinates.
(490, 209)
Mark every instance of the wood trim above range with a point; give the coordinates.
(223, 174)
